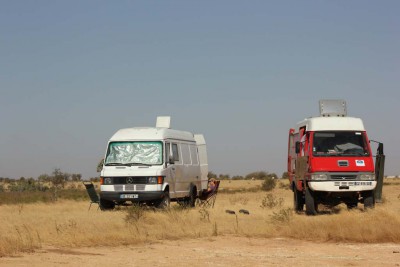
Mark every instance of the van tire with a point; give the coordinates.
(165, 201)
(190, 201)
(192, 197)
(106, 204)
(311, 204)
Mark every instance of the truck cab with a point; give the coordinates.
(330, 160)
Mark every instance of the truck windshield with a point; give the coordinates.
(340, 143)
(134, 153)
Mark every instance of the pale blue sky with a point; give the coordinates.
(240, 72)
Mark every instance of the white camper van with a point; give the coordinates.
(153, 165)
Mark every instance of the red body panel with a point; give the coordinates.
(330, 164)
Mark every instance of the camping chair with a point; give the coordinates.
(207, 199)
(94, 198)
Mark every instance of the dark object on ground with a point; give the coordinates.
(230, 211)
(244, 211)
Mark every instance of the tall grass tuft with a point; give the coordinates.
(270, 201)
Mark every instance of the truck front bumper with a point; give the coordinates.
(342, 186)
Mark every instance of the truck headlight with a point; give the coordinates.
(319, 177)
(367, 176)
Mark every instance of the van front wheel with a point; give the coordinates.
(165, 201)
(106, 204)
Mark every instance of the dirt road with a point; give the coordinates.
(218, 251)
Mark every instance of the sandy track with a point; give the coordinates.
(218, 251)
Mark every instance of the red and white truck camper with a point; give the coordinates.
(330, 160)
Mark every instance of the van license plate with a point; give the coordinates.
(129, 196)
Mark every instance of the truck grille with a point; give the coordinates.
(343, 177)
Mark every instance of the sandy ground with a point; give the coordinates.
(218, 251)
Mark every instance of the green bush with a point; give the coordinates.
(268, 184)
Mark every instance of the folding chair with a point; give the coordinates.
(207, 199)
(94, 198)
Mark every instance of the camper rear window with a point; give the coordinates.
(147, 153)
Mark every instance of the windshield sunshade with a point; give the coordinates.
(148, 153)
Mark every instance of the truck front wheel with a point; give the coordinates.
(311, 204)
(369, 200)
(298, 200)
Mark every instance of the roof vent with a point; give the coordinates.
(163, 122)
(332, 108)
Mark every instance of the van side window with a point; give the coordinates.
(193, 154)
(175, 152)
(185, 154)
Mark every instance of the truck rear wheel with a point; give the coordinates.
(298, 200)
(311, 204)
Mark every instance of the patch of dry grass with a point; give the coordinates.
(26, 227)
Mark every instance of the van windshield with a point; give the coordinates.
(134, 153)
(340, 143)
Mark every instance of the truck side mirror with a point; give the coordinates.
(297, 147)
(380, 149)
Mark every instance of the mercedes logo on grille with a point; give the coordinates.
(129, 180)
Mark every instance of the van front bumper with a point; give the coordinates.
(133, 196)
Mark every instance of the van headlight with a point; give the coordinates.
(107, 180)
(367, 176)
(152, 180)
(319, 177)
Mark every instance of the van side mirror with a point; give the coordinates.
(100, 165)
(297, 147)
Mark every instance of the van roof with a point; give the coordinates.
(332, 124)
(151, 133)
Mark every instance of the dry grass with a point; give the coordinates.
(26, 227)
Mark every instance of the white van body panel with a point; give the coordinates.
(189, 169)
(202, 152)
